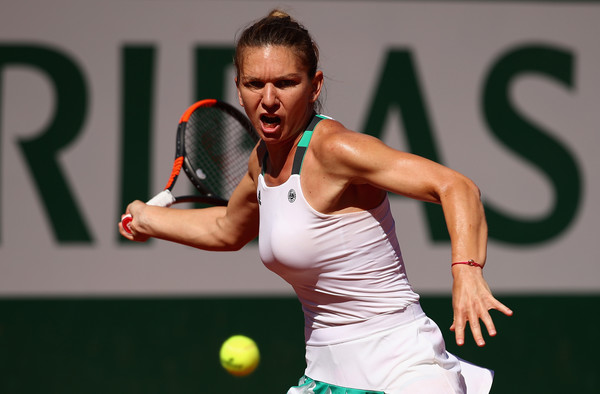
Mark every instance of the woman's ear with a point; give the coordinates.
(317, 83)
(238, 92)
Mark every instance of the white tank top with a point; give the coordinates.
(346, 269)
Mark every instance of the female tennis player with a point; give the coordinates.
(316, 193)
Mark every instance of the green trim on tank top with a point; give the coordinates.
(304, 141)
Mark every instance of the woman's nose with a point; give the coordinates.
(270, 99)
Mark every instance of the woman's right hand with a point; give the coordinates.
(135, 210)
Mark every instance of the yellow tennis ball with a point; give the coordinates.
(239, 355)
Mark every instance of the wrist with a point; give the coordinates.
(470, 263)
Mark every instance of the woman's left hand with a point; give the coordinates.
(472, 300)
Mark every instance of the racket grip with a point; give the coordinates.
(126, 221)
(162, 199)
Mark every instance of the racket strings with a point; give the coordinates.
(217, 146)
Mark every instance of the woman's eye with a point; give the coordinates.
(285, 83)
(254, 84)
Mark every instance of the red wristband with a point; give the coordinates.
(472, 263)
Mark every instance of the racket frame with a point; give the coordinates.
(182, 162)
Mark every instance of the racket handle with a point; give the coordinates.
(126, 221)
(162, 199)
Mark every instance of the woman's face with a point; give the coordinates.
(275, 90)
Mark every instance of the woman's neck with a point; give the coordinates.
(281, 155)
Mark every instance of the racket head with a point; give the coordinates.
(215, 141)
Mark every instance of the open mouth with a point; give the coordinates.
(270, 121)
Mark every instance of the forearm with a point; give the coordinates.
(471, 296)
(465, 219)
(205, 229)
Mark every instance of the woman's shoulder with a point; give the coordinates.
(333, 139)
(330, 132)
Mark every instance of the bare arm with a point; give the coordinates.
(366, 160)
(214, 228)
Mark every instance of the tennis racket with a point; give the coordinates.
(214, 142)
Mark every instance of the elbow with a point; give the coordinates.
(233, 244)
(244, 240)
(236, 246)
(472, 188)
(231, 236)
(460, 185)
(217, 246)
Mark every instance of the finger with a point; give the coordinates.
(459, 331)
(124, 232)
(476, 331)
(489, 324)
(503, 309)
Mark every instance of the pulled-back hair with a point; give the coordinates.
(279, 28)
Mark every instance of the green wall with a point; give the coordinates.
(170, 345)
